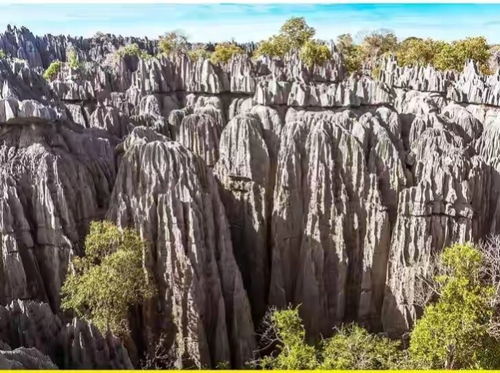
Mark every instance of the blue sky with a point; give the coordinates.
(247, 22)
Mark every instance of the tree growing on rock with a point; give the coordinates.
(351, 347)
(173, 42)
(293, 35)
(224, 52)
(314, 53)
(353, 53)
(108, 279)
(453, 56)
(51, 72)
(132, 50)
(454, 332)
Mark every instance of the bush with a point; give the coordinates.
(52, 70)
(453, 56)
(132, 50)
(224, 52)
(352, 347)
(314, 53)
(199, 53)
(416, 51)
(109, 279)
(453, 333)
(73, 60)
(2, 54)
(174, 41)
(353, 54)
(294, 34)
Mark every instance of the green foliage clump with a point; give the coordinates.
(224, 52)
(2, 54)
(173, 41)
(453, 333)
(51, 72)
(73, 60)
(132, 50)
(354, 348)
(415, 51)
(351, 348)
(453, 56)
(294, 352)
(109, 279)
(294, 34)
(199, 53)
(353, 53)
(314, 53)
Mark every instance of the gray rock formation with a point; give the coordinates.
(77, 345)
(171, 197)
(257, 183)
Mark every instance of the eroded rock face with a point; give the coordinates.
(256, 183)
(171, 197)
(54, 180)
(47, 340)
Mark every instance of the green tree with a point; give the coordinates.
(199, 53)
(297, 31)
(453, 333)
(454, 55)
(314, 53)
(224, 52)
(353, 54)
(51, 72)
(173, 41)
(132, 50)
(354, 348)
(293, 35)
(379, 43)
(292, 352)
(416, 51)
(109, 279)
(2, 54)
(73, 60)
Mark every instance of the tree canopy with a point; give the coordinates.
(108, 279)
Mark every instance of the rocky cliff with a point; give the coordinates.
(259, 183)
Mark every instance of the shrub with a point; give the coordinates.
(453, 333)
(109, 279)
(353, 54)
(174, 41)
(73, 60)
(132, 50)
(416, 51)
(453, 56)
(352, 347)
(52, 70)
(294, 34)
(2, 54)
(224, 52)
(314, 53)
(199, 53)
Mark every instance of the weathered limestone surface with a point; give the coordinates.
(76, 345)
(171, 197)
(257, 183)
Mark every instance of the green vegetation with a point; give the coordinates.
(314, 53)
(199, 53)
(2, 54)
(73, 60)
(461, 330)
(52, 70)
(295, 34)
(453, 333)
(352, 347)
(413, 51)
(132, 50)
(173, 41)
(224, 52)
(109, 279)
